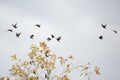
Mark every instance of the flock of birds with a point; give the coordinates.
(32, 35)
(104, 26)
(52, 36)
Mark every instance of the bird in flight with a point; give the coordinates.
(100, 37)
(31, 36)
(52, 36)
(14, 25)
(48, 39)
(38, 25)
(18, 34)
(114, 31)
(10, 30)
(58, 39)
(104, 26)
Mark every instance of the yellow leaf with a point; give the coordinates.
(71, 57)
(42, 66)
(65, 77)
(13, 57)
(97, 70)
(43, 44)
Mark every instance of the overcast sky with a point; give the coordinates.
(77, 21)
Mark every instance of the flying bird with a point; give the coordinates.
(58, 39)
(14, 25)
(31, 36)
(52, 36)
(114, 31)
(48, 39)
(104, 26)
(10, 30)
(38, 25)
(100, 37)
(18, 34)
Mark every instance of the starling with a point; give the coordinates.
(10, 30)
(101, 37)
(31, 36)
(14, 25)
(18, 34)
(58, 39)
(38, 25)
(48, 39)
(114, 31)
(52, 36)
(104, 26)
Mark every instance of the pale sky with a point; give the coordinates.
(77, 21)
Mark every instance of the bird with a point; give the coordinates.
(114, 31)
(104, 26)
(48, 39)
(52, 36)
(18, 34)
(10, 30)
(31, 36)
(38, 25)
(58, 39)
(100, 37)
(14, 25)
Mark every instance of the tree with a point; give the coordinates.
(42, 63)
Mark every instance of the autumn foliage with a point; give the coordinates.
(42, 65)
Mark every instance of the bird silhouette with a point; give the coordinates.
(58, 39)
(18, 34)
(114, 31)
(10, 30)
(48, 39)
(100, 37)
(14, 25)
(52, 36)
(38, 25)
(104, 26)
(31, 36)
